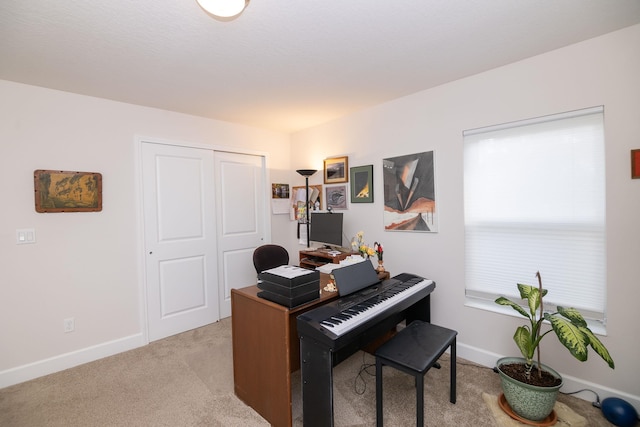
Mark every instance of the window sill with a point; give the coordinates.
(596, 327)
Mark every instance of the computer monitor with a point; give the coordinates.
(326, 228)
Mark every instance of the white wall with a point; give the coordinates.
(602, 71)
(85, 265)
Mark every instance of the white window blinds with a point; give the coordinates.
(534, 194)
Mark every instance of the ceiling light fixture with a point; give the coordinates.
(223, 8)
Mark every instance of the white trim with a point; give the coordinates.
(229, 149)
(142, 265)
(64, 361)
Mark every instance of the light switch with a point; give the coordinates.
(25, 236)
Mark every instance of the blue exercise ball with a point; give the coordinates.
(619, 412)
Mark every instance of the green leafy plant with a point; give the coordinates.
(567, 323)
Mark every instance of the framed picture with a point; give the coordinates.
(279, 191)
(336, 196)
(335, 170)
(410, 193)
(635, 163)
(361, 184)
(63, 191)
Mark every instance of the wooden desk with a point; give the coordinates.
(266, 350)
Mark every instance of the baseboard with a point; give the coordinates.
(571, 384)
(68, 360)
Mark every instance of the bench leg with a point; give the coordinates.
(420, 400)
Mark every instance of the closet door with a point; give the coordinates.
(180, 238)
(241, 216)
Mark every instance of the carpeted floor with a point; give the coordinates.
(187, 380)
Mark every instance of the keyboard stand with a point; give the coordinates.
(317, 362)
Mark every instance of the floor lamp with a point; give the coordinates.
(307, 173)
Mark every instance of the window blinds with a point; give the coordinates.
(534, 195)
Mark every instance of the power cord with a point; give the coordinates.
(364, 369)
(596, 403)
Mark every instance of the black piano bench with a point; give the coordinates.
(414, 350)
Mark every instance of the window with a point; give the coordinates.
(534, 194)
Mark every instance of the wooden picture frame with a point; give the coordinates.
(361, 184)
(65, 191)
(635, 164)
(336, 170)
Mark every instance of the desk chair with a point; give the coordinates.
(269, 256)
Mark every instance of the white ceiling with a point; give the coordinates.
(284, 65)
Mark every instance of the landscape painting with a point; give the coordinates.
(336, 170)
(410, 193)
(62, 191)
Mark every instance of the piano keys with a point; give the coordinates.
(331, 321)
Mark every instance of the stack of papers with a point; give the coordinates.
(288, 271)
(351, 259)
(327, 268)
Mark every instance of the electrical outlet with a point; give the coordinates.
(69, 324)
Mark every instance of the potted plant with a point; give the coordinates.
(531, 388)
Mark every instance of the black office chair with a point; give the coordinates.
(269, 256)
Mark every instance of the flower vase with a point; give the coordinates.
(380, 267)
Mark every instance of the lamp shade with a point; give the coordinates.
(223, 8)
(306, 172)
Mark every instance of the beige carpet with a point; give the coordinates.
(187, 380)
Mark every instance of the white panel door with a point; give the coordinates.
(242, 212)
(180, 238)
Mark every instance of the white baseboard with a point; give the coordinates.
(571, 384)
(68, 360)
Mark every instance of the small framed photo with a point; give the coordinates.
(635, 164)
(279, 191)
(362, 184)
(336, 170)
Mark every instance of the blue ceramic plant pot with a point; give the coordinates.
(528, 401)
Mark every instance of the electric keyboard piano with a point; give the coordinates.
(331, 333)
